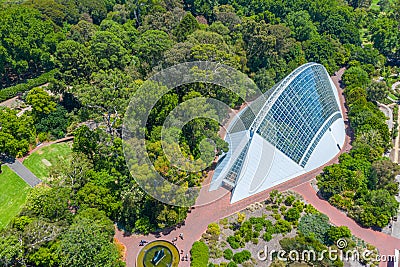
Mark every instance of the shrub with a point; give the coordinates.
(232, 264)
(228, 254)
(214, 231)
(241, 217)
(336, 233)
(282, 226)
(233, 242)
(242, 256)
(289, 200)
(316, 225)
(199, 254)
(310, 209)
(12, 91)
(292, 215)
(267, 236)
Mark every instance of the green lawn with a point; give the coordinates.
(41, 161)
(13, 192)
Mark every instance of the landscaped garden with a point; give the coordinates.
(13, 192)
(283, 222)
(41, 161)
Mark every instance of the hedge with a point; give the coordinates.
(12, 91)
(199, 254)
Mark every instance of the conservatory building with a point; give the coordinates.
(295, 127)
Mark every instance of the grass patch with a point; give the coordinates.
(13, 192)
(41, 161)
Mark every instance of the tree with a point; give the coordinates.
(301, 25)
(82, 32)
(16, 133)
(214, 231)
(49, 203)
(107, 96)
(86, 141)
(39, 232)
(228, 254)
(55, 123)
(86, 244)
(40, 101)
(242, 256)
(383, 174)
(377, 91)
(109, 50)
(384, 38)
(73, 173)
(74, 60)
(26, 42)
(94, 196)
(11, 250)
(356, 77)
(150, 47)
(186, 26)
(292, 215)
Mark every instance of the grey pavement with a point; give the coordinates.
(24, 173)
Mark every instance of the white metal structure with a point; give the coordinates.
(294, 128)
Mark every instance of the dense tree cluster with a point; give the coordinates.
(100, 51)
(363, 183)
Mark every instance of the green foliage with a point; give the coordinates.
(228, 254)
(49, 203)
(186, 26)
(16, 133)
(213, 230)
(315, 226)
(27, 42)
(84, 243)
(282, 226)
(242, 256)
(10, 92)
(335, 233)
(233, 241)
(292, 215)
(11, 249)
(41, 102)
(55, 123)
(199, 254)
(355, 77)
(289, 200)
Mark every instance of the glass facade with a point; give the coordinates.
(299, 112)
(293, 117)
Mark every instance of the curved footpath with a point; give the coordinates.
(201, 216)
